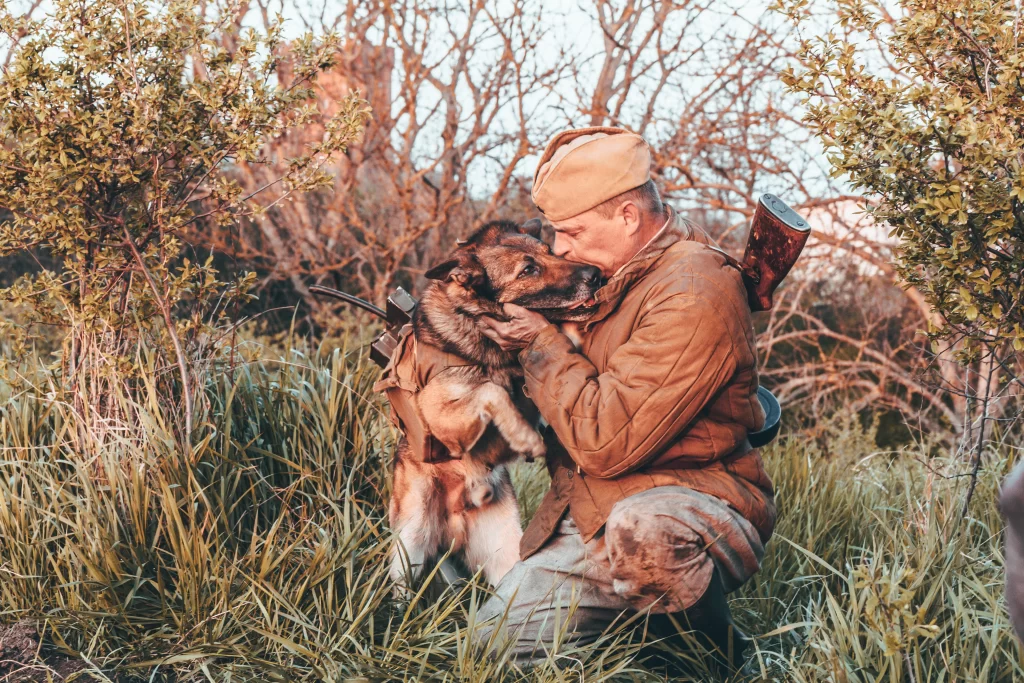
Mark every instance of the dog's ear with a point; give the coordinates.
(532, 227)
(442, 270)
(466, 271)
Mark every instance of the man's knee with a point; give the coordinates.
(656, 561)
(665, 543)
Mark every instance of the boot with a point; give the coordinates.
(711, 620)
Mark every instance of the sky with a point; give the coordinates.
(569, 25)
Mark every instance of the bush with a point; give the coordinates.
(118, 121)
(931, 129)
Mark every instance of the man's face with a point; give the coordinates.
(605, 242)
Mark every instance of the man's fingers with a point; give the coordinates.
(492, 324)
(491, 331)
(515, 310)
(494, 337)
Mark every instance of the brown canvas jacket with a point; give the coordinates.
(661, 392)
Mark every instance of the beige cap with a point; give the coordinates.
(584, 167)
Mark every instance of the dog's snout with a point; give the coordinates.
(591, 275)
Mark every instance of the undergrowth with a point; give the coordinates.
(260, 551)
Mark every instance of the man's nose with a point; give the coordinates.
(559, 248)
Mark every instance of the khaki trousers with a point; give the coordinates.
(658, 552)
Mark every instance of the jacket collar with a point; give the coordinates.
(608, 297)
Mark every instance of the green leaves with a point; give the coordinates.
(120, 123)
(934, 141)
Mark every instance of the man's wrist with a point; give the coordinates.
(548, 334)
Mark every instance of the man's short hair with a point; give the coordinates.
(646, 197)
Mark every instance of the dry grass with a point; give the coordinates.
(260, 553)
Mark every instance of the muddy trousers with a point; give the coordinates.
(658, 553)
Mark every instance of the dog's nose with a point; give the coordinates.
(591, 275)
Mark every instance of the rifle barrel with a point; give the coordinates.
(348, 298)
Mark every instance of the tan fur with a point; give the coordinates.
(572, 331)
(430, 516)
(467, 504)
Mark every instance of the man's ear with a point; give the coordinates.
(631, 217)
(532, 227)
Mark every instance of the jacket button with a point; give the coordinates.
(569, 474)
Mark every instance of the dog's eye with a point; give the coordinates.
(530, 269)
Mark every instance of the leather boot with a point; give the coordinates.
(711, 620)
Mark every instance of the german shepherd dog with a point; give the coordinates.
(477, 411)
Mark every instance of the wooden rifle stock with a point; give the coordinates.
(777, 236)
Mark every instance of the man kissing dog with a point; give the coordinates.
(658, 502)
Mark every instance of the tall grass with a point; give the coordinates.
(260, 552)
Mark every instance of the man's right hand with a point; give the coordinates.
(519, 332)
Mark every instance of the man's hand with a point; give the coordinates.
(522, 328)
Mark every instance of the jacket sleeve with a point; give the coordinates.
(679, 355)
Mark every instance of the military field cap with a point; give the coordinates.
(584, 167)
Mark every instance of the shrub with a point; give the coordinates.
(931, 128)
(117, 122)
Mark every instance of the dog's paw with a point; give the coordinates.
(526, 443)
(478, 493)
(535, 448)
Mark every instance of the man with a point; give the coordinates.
(657, 501)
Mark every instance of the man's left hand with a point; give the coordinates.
(522, 328)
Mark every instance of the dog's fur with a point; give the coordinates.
(467, 503)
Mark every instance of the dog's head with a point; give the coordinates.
(504, 262)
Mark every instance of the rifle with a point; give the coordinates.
(400, 306)
(777, 236)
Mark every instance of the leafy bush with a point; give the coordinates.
(262, 551)
(117, 123)
(931, 127)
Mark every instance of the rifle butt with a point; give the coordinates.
(777, 236)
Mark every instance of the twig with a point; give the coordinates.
(166, 311)
(980, 443)
(910, 669)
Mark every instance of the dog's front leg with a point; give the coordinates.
(458, 414)
(494, 404)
